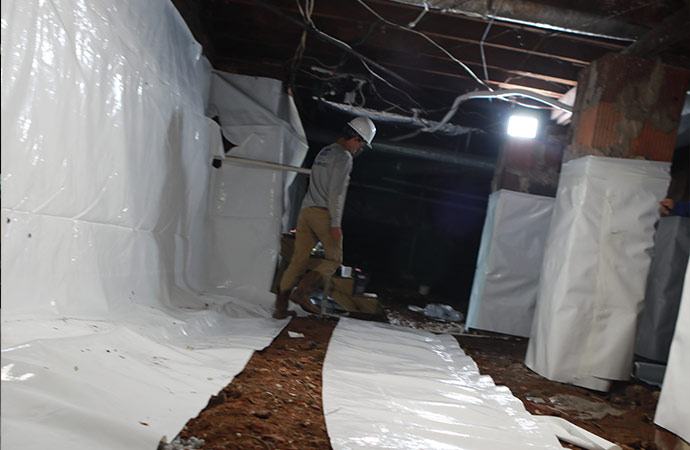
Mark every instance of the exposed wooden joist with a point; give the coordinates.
(554, 85)
(395, 44)
(447, 27)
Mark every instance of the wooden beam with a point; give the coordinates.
(453, 27)
(395, 45)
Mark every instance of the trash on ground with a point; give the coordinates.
(445, 313)
(581, 408)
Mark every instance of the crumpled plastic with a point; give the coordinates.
(444, 313)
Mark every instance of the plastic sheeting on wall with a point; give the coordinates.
(249, 204)
(664, 288)
(106, 155)
(394, 387)
(509, 262)
(673, 409)
(594, 271)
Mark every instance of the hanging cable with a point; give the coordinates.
(496, 94)
(453, 58)
(306, 14)
(486, 33)
(334, 41)
(393, 105)
(422, 14)
(390, 85)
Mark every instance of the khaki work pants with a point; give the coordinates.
(313, 225)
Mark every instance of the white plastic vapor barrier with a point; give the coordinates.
(509, 262)
(394, 387)
(250, 204)
(102, 384)
(106, 168)
(664, 288)
(673, 409)
(594, 271)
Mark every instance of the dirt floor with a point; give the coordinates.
(275, 403)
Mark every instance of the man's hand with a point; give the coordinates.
(666, 206)
(336, 233)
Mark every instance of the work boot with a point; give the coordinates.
(302, 294)
(281, 310)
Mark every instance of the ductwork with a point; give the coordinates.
(383, 116)
(538, 15)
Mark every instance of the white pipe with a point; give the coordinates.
(497, 94)
(383, 116)
(265, 164)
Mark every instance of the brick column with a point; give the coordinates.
(627, 107)
(530, 165)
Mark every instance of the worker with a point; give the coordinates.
(670, 207)
(320, 217)
(678, 194)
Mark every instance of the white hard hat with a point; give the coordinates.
(364, 127)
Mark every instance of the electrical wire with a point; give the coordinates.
(306, 14)
(496, 94)
(364, 63)
(393, 105)
(334, 41)
(301, 46)
(481, 42)
(556, 33)
(453, 58)
(360, 85)
(390, 85)
(327, 66)
(594, 22)
(422, 14)
(367, 34)
(320, 78)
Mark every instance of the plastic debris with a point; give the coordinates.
(445, 313)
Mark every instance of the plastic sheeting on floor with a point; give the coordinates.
(673, 409)
(664, 288)
(391, 387)
(510, 255)
(106, 167)
(595, 268)
(76, 383)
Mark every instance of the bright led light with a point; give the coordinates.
(523, 126)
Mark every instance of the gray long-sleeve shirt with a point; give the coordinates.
(330, 175)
